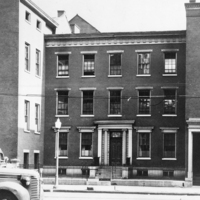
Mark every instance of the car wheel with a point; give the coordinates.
(7, 196)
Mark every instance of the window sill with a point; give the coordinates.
(92, 76)
(169, 74)
(29, 22)
(165, 115)
(38, 29)
(63, 157)
(143, 75)
(37, 133)
(86, 158)
(169, 159)
(27, 71)
(61, 115)
(139, 115)
(145, 158)
(62, 77)
(38, 76)
(114, 115)
(87, 115)
(27, 131)
(114, 76)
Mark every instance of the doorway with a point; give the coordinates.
(116, 148)
(196, 159)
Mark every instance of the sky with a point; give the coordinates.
(123, 15)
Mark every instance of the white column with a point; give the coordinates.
(106, 147)
(190, 154)
(124, 147)
(130, 145)
(99, 144)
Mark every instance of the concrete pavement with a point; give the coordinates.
(195, 190)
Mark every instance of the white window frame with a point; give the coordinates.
(27, 116)
(83, 130)
(28, 16)
(37, 118)
(27, 57)
(38, 62)
(38, 25)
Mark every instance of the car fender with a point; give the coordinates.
(19, 191)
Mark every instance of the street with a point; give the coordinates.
(111, 196)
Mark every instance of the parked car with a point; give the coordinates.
(20, 184)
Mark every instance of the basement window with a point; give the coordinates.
(168, 173)
(142, 172)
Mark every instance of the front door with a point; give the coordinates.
(116, 148)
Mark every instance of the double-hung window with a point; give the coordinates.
(62, 102)
(144, 102)
(115, 102)
(37, 63)
(115, 64)
(62, 65)
(170, 101)
(143, 67)
(63, 147)
(37, 118)
(27, 57)
(86, 144)
(87, 102)
(170, 61)
(89, 65)
(27, 115)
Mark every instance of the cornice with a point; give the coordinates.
(106, 42)
(192, 5)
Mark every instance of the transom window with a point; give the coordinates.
(115, 64)
(88, 102)
(169, 101)
(115, 102)
(63, 65)
(86, 144)
(170, 63)
(88, 65)
(143, 144)
(143, 63)
(62, 102)
(27, 57)
(169, 143)
(144, 101)
(63, 150)
(37, 60)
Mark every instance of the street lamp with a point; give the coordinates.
(56, 129)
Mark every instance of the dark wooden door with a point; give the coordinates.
(116, 151)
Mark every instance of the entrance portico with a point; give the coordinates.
(193, 128)
(115, 142)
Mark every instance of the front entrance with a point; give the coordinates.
(116, 148)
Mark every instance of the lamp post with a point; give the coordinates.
(57, 128)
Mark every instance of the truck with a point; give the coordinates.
(19, 184)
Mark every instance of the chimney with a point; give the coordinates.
(60, 12)
(192, 1)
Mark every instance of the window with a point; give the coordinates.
(38, 24)
(27, 16)
(115, 64)
(27, 115)
(37, 118)
(37, 62)
(86, 144)
(36, 161)
(62, 102)
(87, 102)
(26, 160)
(115, 102)
(88, 65)
(144, 145)
(63, 151)
(169, 142)
(170, 63)
(169, 101)
(63, 65)
(143, 63)
(27, 57)
(144, 102)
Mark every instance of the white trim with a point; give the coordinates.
(144, 88)
(170, 87)
(86, 115)
(110, 115)
(115, 51)
(169, 50)
(88, 52)
(62, 157)
(87, 76)
(170, 74)
(114, 76)
(143, 158)
(62, 89)
(26, 150)
(63, 52)
(87, 88)
(61, 116)
(85, 129)
(170, 115)
(62, 77)
(36, 151)
(143, 75)
(145, 115)
(115, 88)
(144, 50)
(89, 158)
(169, 159)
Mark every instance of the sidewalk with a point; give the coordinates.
(195, 190)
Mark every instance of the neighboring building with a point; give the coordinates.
(119, 97)
(23, 26)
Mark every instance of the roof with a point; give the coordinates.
(49, 21)
(84, 26)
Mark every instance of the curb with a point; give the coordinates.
(121, 192)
